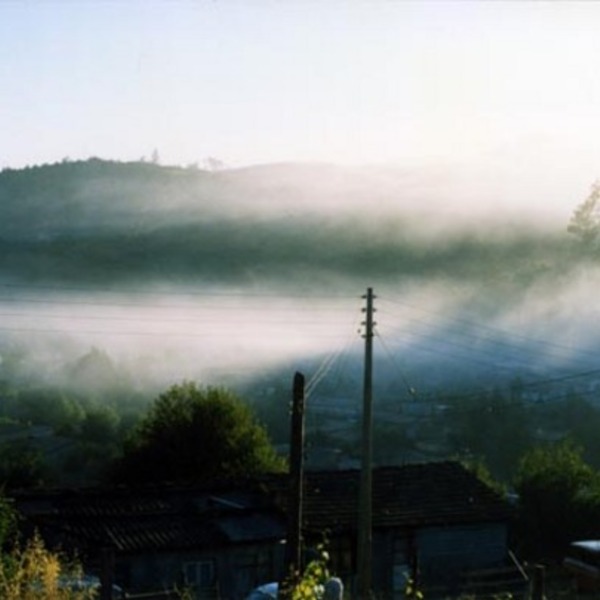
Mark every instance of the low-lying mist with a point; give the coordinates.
(229, 276)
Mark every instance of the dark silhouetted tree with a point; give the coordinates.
(192, 433)
(489, 427)
(22, 466)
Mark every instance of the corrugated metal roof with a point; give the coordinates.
(151, 519)
(128, 534)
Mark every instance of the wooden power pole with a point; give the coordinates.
(365, 503)
(293, 553)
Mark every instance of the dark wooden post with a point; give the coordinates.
(365, 500)
(293, 549)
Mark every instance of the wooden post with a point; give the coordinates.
(293, 550)
(364, 550)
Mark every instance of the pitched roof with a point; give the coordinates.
(151, 519)
(435, 493)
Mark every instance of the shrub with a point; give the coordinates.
(32, 572)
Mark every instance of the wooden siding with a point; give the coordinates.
(236, 570)
(446, 553)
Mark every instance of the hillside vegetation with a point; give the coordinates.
(119, 279)
(101, 222)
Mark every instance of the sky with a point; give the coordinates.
(508, 88)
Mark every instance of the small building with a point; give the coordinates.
(434, 522)
(217, 543)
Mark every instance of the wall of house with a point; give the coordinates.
(245, 567)
(153, 572)
(237, 570)
(445, 552)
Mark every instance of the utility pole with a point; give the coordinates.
(365, 503)
(293, 550)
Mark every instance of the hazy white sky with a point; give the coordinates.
(506, 86)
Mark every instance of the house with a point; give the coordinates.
(434, 521)
(219, 542)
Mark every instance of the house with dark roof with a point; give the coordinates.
(435, 522)
(217, 541)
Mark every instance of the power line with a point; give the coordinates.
(326, 366)
(121, 304)
(191, 319)
(283, 294)
(482, 393)
(320, 324)
(521, 386)
(454, 356)
(410, 389)
(494, 330)
(474, 353)
(137, 333)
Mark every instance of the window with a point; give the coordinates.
(200, 574)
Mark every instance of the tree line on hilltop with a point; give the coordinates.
(100, 221)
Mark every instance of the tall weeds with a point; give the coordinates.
(32, 572)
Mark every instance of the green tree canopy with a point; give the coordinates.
(492, 428)
(22, 465)
(191, 433)
(8, 521)
(585, 221)
(559, 497)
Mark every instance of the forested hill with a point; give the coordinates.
(120, 279)
(95, 196)
(97, 221)
(183, 272)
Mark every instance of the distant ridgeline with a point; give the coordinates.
(100, 221)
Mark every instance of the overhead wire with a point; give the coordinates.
(467, 358)
(226, 307)
(326, 366)
(550, 351)
(522, 385)
(290, 314)
(320, 324)
(511, 335)
(498, 407)
(286, 293)
(191, 319)
(409, 388)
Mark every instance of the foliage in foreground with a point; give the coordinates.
(312, 583)
(29, 571)
(32, 572)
